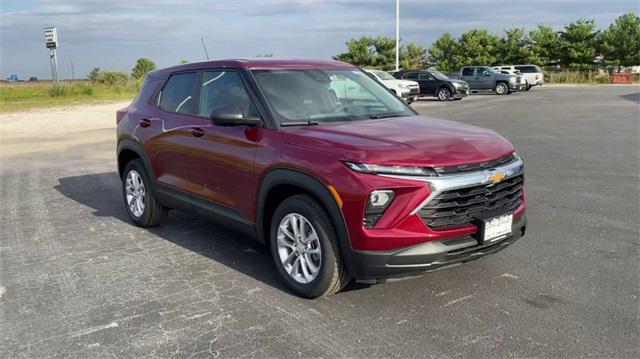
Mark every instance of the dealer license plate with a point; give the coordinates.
(497, 228)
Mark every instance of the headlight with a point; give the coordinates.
(457, 84)
(377, 203)
(512, 79)
(391, 170)
(403, 86)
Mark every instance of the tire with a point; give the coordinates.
(528, 88)
(502, 88)
(321, 250)
(135, 178)
(443, 94)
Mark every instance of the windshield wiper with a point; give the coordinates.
(385, 115)
(299, 123)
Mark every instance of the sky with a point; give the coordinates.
(112, 34)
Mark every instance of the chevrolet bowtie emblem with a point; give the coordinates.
(497, 177)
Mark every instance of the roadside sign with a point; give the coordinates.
(51, 37)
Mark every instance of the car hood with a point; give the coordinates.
(408, 141)
(464, 83)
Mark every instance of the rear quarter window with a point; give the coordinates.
(177, 94)
(527, 69)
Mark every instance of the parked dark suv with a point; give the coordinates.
(436, 84)
(339, 177)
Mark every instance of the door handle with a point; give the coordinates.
(144, 123)
(197, 132)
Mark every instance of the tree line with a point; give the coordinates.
(579, 45)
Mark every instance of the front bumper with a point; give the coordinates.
(460, 93)
(428, 256)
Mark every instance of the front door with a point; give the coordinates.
(221, 159)
(428, 82)
(484, 77)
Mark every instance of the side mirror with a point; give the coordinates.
(487, 73)
(231, 115)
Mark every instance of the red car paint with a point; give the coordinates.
(226, 165)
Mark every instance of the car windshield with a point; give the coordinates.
(383, 75)
(309, 96)
(439, 75)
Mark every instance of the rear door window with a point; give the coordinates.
(411, 76)
(468, 71)
(224, 88)
(177, 94)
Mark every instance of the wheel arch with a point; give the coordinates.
(129, 149)
(281, 183)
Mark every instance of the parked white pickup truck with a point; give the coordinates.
(407, 90)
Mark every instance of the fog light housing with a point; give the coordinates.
(377, 203)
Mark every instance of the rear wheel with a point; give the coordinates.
(444, 94)
(502, 88)
(141, 203)
(305, 248)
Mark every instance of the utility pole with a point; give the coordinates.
(397, 35)
(73, 74)
(205, 48)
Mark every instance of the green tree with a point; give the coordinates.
(577, 43)
(514, 47)
(621, 41)
(360, 52)
(94, 75)
(413, 56)
(113, 78)
(444, 53)
(385, 48)
(142, 67)
(478, 47)
(544, 45)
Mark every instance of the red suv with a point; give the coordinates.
(338, 176)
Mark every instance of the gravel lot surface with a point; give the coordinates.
(78, 280)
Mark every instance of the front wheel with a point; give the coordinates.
(444, 94)
(502, 88)
(528, 87)
(305, 248)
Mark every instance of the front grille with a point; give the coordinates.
(474, 166)
(456, 208)
(414, 90)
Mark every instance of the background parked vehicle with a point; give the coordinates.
(522, 80)
(484, 78)
(436, 84)
(532, 73)
(407, 90)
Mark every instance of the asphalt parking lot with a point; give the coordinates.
(77, 279)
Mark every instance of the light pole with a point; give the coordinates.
(397, 35)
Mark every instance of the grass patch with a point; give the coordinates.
(592, 77)
(27, 95)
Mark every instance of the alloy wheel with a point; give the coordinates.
(443, 94)
(299, 248)
(135, 193)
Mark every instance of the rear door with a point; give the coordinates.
(415, 76)
(468, 75)
(164, 132)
